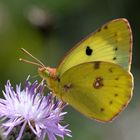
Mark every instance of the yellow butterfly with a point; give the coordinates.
(94, 77)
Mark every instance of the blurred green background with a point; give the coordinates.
(48, 29)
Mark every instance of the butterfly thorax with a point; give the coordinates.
(49, 74)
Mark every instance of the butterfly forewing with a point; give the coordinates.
(99, 90)
(112, 43)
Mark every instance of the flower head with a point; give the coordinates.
(29, 109)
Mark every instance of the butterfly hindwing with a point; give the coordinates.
(99, 90)
(112, 43)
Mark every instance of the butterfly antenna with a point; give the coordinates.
(26, 52)
(30, 62)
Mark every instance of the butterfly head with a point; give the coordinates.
(43, 72)
(46, 72)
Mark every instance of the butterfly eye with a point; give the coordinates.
(43, 72)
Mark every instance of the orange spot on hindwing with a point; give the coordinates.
(98, 83)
